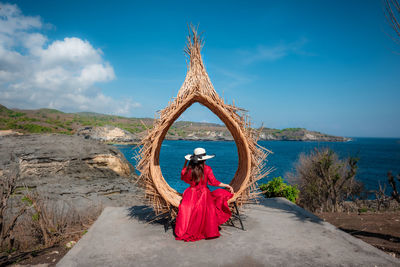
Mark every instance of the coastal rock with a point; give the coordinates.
(73, 176)
(203, 136)
(309, 137)
(70, 244)
(299, 134)
(9, 132)
(221, 133)
(112, 162)
(108, 134)
(264, 136)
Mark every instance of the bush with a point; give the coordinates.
(277, 188)
(34, 128)
(325, 181)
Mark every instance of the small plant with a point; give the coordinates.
(278, 188)
(27, 201)
(362, 210)
(35, 216)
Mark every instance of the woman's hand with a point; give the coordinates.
(229, 188)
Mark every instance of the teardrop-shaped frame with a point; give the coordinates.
(242, 175)
(197, 87)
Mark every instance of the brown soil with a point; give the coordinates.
(380, 229)
(48, 257)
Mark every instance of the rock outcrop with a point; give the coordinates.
(296, 134)
(9, 132)
(70, 173)
(203, 136)
(108, 134)
(299, 134)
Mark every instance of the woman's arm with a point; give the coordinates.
(226, 186)
(185, 174)
(184, 165)
(214, 182)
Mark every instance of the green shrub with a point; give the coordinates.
(362, 210)
(65, 132)
(277, 188)
(325, 181)
(27, 201)
(16, 114)
(34, 128)
(35, 216)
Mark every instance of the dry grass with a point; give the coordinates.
(30, 222)
(197, 87)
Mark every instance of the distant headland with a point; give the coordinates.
(118, 129)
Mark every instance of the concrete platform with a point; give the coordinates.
(278, 233)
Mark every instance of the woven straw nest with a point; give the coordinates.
(197, 87)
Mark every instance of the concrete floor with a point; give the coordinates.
(278, 233)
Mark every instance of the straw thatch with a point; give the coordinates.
(197, 87)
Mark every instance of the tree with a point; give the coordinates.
(392, 13)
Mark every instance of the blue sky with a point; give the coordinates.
(328, 66)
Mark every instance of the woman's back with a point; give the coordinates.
(208, 178)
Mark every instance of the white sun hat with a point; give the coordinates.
(199, 154)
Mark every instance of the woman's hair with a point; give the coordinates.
(197, 170)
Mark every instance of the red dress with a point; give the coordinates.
(201, 211)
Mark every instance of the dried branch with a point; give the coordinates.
(392, 182)
(8, 183)
(381, 197)
(392, 14)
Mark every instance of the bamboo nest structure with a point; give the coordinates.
(197, 87)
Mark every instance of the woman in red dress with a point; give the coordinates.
(201, 211)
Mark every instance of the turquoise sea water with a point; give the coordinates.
(377, 157)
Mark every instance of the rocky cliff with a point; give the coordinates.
(73, 176)
(111, 134)
(221, 133)
(299, 134)
(108, 134)
(71, 168)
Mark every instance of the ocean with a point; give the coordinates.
(377, 156)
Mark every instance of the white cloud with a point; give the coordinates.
(61, 74)
(272, 53)
(230, 79)
(73, 51)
